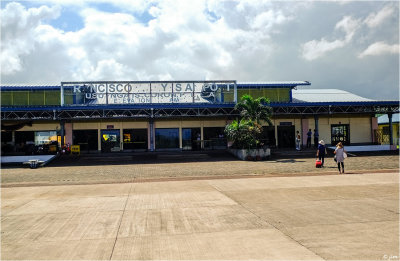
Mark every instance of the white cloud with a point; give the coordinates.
(197, 40)
(380, 48)
(138, 6)
(266, 20)
(315, 49)
(18, 33)
(375, 19)
(349, 26)
(185, 39)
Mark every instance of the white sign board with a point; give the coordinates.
(149, 92)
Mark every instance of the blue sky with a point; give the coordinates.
(353, 46)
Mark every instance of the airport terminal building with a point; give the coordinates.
(112, 116)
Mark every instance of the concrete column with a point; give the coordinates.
(151, 132)
(316, 123)
(180, 134)
(13, 141)
(202, 134)
(374, 127)
(62, 132)
(317, 130)
(62, 95)
(390, 116)
(235, 98)
(304, 125)
(68, 128)
(99, 137)
(121, 137)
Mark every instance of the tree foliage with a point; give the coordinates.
(246, 132)
(255, 109)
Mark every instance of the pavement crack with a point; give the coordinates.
(120, 222)
(266, 221)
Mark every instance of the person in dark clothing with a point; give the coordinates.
(316, 136)
(309, 134)
(321, 152)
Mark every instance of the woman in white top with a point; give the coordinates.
(298, 139)
(340, 156)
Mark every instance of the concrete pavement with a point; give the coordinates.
(144, 167)
(332, 217)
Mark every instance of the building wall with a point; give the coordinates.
(42, 127)
(361, 127)
(396, 134)
(103, 125)
(362, 131)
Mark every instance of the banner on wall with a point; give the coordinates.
(84, 93)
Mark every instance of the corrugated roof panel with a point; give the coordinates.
(29, 87)
(286, 83)
(326, 95)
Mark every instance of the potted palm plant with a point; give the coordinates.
(245, 133)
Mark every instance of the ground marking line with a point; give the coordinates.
(120, 221)
(250, 211)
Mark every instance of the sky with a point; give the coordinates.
(347, 45)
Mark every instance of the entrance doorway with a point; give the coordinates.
(167, 139)
(135, 139)
(286, 136)
(191, 139)
(268, 136)
(214, 138)
(110, 140)
(86, 139)
(340, 133)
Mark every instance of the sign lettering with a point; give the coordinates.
(85, 93)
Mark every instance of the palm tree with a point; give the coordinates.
(244, 133)
(255, 109)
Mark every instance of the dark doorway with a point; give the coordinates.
(340, 133)
(214, 138)
(167, 138)
(286, 137)
(191, 139)
(86, 139)
(135, 139)
(268, 136)
(7, 145)
(25, 141)
(110, 140)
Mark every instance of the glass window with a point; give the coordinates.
(45, 137)
(135, 139)
(36, 98)
(21, 98)
(191, 139)
(52, 97)
(86, 139)
(214, 138)
(6, 136)
(6, 98)
(386, 130)
(25, 137)
(340, 133)
(213, 132)
(167, 138)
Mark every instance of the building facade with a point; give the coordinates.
(177, 115)
(387, 125)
